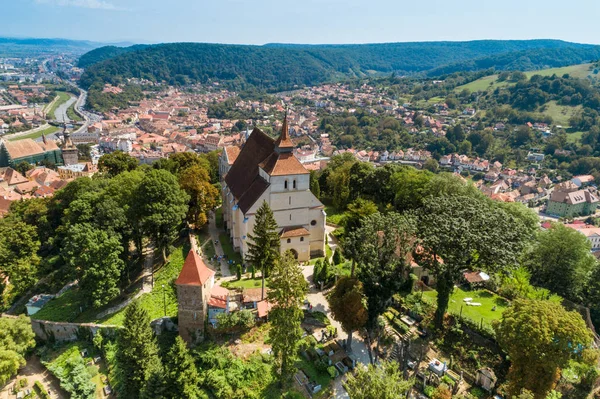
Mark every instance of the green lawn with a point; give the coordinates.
(482, 84)
(35, 135)
(574, 137)
(487, 299)
(560, 113)
(577, 71)
(153, 301)
(219, 217)
(63, 97)
(74, 116)
(245, 282)
(228, 250)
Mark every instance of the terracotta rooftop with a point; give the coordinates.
(12, 177)
(283, 164)
(232, 154)
(194, 271)
(264, 308)
(23, 148)
(252, 294)
(293, 231)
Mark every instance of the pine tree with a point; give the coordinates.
(287, 291)
(137, 352)
(182, 377)
(338, 258)
(317, 271)
(263, 247)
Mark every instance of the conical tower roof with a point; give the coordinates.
(284, 143)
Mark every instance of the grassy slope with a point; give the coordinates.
(482, 84)
(487, 299)
(153, 301)
(63, 97)
(47, 131)
(560, 113)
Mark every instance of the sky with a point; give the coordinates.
(300, 21)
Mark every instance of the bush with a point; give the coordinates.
(478, 393)
(42, 393)
(23, 382)
(332, 371)
(429, 391)
(321, 366)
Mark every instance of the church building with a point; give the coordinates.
(267, 170)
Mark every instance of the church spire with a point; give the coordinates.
(284, 143)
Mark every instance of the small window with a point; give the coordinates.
(285, 184)
(294, 184)
(289, 240)
(290, 216)
(290, 200)
(313, 222)
(301, 238)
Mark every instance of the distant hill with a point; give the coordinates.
(282, 66)
(104, 53)
(25, 47)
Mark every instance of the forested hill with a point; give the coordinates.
(104, 53)
(280, 66)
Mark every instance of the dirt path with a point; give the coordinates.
(214, 236)
(34, 371)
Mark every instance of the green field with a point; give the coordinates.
(560, 113)
(229, 251)
(63, 97)
(35, 135)
(484, 312)
(482, 84)
(245, 282)
(72, 114)
(154, 302)
(490, 82)
(574, 137)
(577, 71)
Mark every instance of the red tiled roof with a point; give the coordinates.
(294, 231)
(194, 271)
(284, 140)
(252, 294)
(283, 164)
(264, 308)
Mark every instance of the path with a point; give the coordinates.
(147, 276)
(34, 371)
(319, 302)
(214, 236)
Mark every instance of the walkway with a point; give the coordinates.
(34, 371)
(214, 236)
(147, 276)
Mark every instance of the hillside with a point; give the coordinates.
(104, 53)
(281, 66)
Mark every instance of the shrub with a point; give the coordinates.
(23, 382)
(42, 393)
(447, 380)
(331, 370)
(429, 391)
(321, 366)
(478, 393)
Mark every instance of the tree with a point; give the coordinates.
(137, 351)
(183, 380)
(544, 335)
(18, 255)
(431, 165)
(338, 258)
(381, 248)
(315, 188)
(16, 338)
(263, 246)
(460, 232)
(287, 291)
(561, 260)
(357, 210)
(161, 207)
(195, 181)
(116, 162)
(23, 167)
(383, 381)
(348, 305)
(94, 257)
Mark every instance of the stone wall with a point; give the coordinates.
(60, 332)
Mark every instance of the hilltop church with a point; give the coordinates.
(265, 169)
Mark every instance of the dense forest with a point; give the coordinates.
(281, 66)
(103, 53)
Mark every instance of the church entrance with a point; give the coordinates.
(295, 253)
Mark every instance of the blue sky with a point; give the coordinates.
(301, 21)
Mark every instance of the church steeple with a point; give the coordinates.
(284, 143)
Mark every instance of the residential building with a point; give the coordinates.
(567, 200)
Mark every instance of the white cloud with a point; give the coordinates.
(95, 4)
